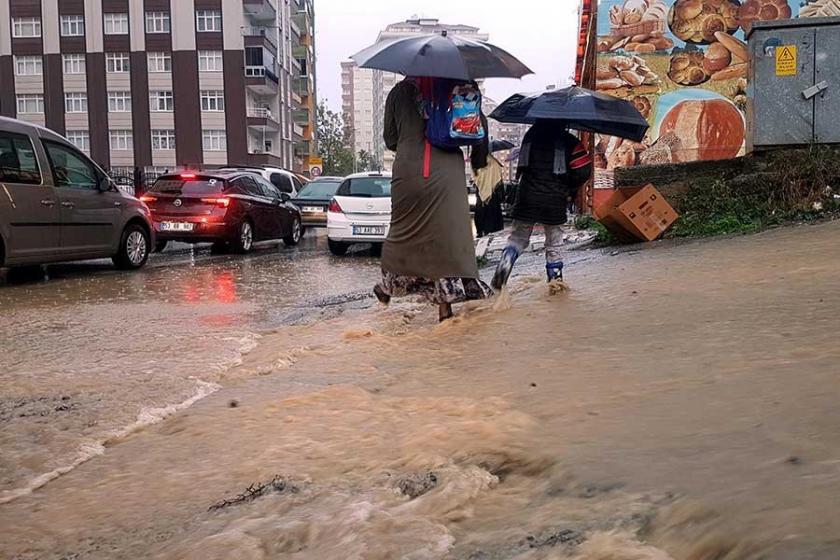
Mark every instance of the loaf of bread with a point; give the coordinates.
(706, 129)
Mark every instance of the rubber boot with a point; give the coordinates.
(505, 266)
(554, 271)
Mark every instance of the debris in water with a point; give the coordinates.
(233, 403)
(553, 538)
(793, 460)
(277, 485)
(416, 485)
(533, 384)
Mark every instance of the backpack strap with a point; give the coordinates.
(427, 159)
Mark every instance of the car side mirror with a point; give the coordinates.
(104, 183)
(285, 197)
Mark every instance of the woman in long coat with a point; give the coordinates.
(429, 250)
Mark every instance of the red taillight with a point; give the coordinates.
(221, 202)
(335, 207)
(187, 175)
(147, 199)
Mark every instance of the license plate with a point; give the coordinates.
(369, 230)
(176, 226)
(312, 209)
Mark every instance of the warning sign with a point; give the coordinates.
(786, 60)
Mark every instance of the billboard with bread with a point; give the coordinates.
(683, 64)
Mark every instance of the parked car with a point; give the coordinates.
(283, 179)
(231, 209)
(360, 211)
(314, 198)
(56, 204)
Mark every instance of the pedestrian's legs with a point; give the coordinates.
(518, 241)
(553, 256)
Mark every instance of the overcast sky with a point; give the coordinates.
(541, 33)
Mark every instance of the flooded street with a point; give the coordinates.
(90, 353)
(679, 402)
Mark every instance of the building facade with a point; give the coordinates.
(364, 91)
(164, 84)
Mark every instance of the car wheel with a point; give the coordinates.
(160, 246)
(134, 249)
(244, 241)
(297, 232)
(337, 248)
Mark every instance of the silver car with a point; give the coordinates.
(56, 204)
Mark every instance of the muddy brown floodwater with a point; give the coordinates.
(678, 403)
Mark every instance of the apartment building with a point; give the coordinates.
(164, 84)
(364, 91)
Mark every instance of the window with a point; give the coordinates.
(119, 101)
(72, 26)
(160, 61)
(161, 101)
(30, 103)
(214, 140)
(26, 27)
(122, 140)
(70, 168)
(80, 139)
(282, 182)
(208, 20)
(17, 160)
(212, 100)
(209, 61)
(117, 62)
(367, 187)
(116, 24)
(157, 22)
(163, 139)
(29, 66)
(75, 103)
(74, 63)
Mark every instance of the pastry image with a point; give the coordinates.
(763, 10)
(737, 47)
(697, 21)
(643, 105)
(688, 68)
(624, 72)
(706, 129)
(820, 8)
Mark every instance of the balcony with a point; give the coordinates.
(301, 51)
(261, 10)
(265, 159)
(302, 85)
(301, 116)
(261, 80)
(302, 148)
(260, 37)
(303, 21)
(263, 119)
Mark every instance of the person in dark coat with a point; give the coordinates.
(553, 164)
(488, 209)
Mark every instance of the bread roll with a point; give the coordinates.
(707, 129)
(717, 57)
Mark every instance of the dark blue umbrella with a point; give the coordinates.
(501, 145)
(580, 108)
(441, 56)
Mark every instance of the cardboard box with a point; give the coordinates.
(636, 213)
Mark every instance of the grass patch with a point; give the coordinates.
(587, 222)
(791, 186)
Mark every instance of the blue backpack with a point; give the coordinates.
(453, 117)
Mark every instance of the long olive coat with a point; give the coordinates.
(431, 234)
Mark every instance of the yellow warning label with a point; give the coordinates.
(786, 60)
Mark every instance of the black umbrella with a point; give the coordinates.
(441, 56)
(581, 108)
(501, 145)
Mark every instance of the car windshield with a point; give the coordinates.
(319, 189)
(181, 186)
(366, 187)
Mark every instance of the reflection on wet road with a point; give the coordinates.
(88, 350)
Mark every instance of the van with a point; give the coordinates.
(57, 205)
